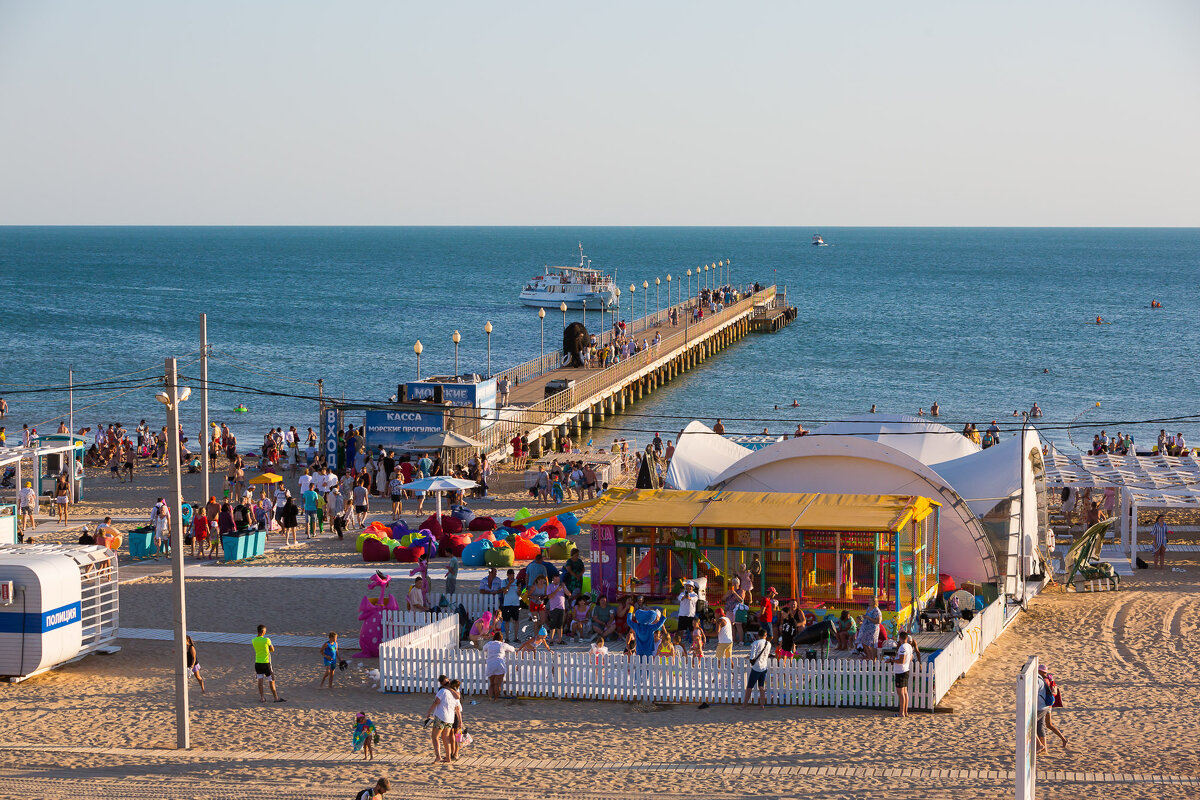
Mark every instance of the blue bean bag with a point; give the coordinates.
(400, 530)
(463, 514)
(540, 539)
(473, 554)
(570, 523)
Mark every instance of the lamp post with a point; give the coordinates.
(668, 290)
(657, 302)
(456, 338)
(171, 397)
(563, 308)
(542, 322)
(645, 302)
(617, 292)
(720, 268)
(487, 328)
(632, 291)
(417, 348)
(584, 301)
(728, 264)
(689, 274)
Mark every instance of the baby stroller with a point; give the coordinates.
(7, 481)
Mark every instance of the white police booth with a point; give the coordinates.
(57, 604)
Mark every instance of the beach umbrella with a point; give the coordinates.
(439, 484)
(442, 440)
(266, 478)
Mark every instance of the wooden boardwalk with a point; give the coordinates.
(600, 393)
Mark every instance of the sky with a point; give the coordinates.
(616, 113)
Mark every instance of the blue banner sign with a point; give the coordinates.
(480, 396)
(331, 423)
(395, 429)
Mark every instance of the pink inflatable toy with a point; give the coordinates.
(370, 611)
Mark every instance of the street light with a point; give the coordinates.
(645, 302)
(563, 308)
(617, 292)
(487, 328)
(542, 322)
(728, 263)
(657, 304)
(456, 338)
(720, 267)
(417, 348)
(584, 301)
(689, 283)
(171, 398)
(632, 291)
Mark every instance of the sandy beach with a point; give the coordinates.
(103, 727)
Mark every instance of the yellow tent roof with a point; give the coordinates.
(771, 510)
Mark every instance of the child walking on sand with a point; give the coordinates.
(365, 736)
(329, 654)
(193, 663)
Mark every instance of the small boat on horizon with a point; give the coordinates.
(818, 241)
(578, 287)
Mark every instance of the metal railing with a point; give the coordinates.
(540, 414)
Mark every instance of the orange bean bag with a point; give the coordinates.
(523, 549)
(554, 528)
(487, 536)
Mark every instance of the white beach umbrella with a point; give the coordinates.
(437, 485)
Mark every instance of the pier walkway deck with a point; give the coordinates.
(598, 393)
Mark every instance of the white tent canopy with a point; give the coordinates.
(1158, 481)
(925, 440)
(701, 455)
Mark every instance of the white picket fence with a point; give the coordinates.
(475, 604)
(959, 656)
(582, 676)
(403, 630)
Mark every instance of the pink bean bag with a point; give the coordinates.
(486, 536)
(451, 524)
(482, 524)
(432, 525)
(375, 550)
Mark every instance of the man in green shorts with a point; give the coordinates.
(262, 664)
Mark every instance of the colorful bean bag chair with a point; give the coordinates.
(462, 514)
(451, 524)
(524, 550)
(486, 536)
(521, 514)
(400, 530)
(432, 525)
(498, 557)
(453, 544)
(405, 555)
(557, 550)
(482, 524)
(553, 528)
(540, 538)
(511, 527)
(473, 554)
(375, 550)
(362, 537)
(380, 528)
(570, 523)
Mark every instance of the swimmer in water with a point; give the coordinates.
(795, 404)
(1099, 321)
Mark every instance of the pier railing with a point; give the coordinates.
(539, 414)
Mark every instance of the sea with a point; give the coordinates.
(984, 321)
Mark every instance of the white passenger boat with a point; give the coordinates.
(575, 286)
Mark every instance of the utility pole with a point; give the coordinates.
(70, 429)
(205, 434)
(182, 732)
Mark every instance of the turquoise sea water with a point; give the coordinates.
(898, 317)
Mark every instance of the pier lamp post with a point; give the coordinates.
(487, 328)
(417, 348)
(542, 322)
(617, 292)
(632, 291)
(728, 264)
(668, 290)
(657, 302)
(645, 302)
(456, 338)
(585, 312)
(689, 274)
(720, 267)
(171, 397)
(563, 308)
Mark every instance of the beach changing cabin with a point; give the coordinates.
(828, 551)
